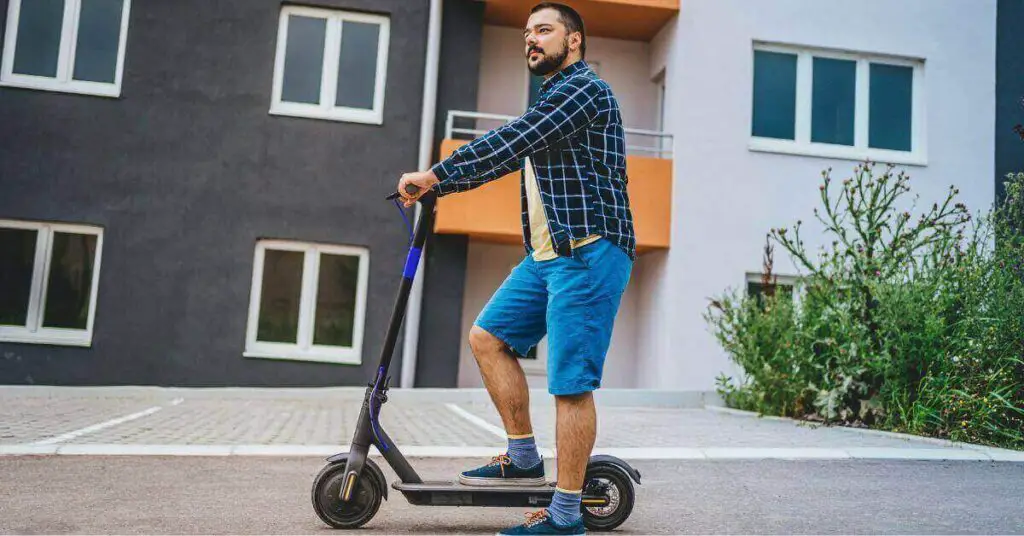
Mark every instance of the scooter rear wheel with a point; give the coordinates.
(612, 482)
(359, 509)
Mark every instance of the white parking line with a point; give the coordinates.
(106, 424)
(477, 421)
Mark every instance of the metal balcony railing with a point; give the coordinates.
(659, 144)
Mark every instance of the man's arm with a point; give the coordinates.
(568, 109)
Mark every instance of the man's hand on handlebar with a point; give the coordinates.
(422, 182)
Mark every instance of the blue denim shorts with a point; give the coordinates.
(572, 300)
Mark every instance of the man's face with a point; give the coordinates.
(547, 44)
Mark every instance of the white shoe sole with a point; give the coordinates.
(499, 482)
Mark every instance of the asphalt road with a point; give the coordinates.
(266, 495)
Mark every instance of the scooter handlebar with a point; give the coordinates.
(410, 189)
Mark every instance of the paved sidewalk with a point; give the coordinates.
(452, 423)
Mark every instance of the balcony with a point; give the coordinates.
(491, 212)
(636, 20)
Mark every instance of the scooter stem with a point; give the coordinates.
(412, 261)
(368, 430)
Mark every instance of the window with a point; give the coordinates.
(74, 46)
(48, 280)
(330, 65)
(781, 284)
(307, 302)
(535, 82)
(664, 142)
(837, 104)
(534, 91)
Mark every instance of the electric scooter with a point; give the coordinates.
(347, 492)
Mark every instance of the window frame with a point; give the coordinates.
(794, 282)
(329, 70)
(63, 82)
(802, 144)
(304, 349)
(33, 332)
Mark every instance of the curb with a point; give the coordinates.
(630, 453)
(996, 453)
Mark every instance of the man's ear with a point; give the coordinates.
(575, 40)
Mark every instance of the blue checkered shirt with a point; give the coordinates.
(574, 138)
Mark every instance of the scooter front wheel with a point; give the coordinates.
(610, 481)
(361, 506)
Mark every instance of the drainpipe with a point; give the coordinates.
(412, 315)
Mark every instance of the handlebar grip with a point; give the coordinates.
(410, 189)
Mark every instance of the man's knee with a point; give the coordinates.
(483, 343)
(576, 399)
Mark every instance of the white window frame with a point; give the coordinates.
(33, 331)
(802, 145)
(796, 283)
(63, 83)
(304, 349)
(661, 86)
(329, 72)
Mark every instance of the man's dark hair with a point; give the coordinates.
(572, 21)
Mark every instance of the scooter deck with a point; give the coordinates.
(448, 493)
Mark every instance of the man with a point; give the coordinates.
(578, 234)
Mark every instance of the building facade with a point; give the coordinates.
(223, 189)
(198, 188)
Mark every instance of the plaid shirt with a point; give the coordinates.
(574, 137)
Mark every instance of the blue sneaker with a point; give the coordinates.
(541, 523)
(502, 472)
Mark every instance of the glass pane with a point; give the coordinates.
(17, 260)
(69, 286)
(892, 91)
(758, 291)
(99, 33)
(833, 101)
(304, 59)
(279, 299)
(38, 46)
(336, 300)
(357, 66)
(774, 95)
(535, 83)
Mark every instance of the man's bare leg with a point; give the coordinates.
(575, 432)
(504, 380)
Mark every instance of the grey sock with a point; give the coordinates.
(565, 507)
(523, 452)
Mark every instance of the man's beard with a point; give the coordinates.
(549, 63)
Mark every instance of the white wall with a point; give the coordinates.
(725, 197)
(625, 65)
(486, 267)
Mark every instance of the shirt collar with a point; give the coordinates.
(568, 71)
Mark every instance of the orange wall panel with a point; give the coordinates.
(635, 20)
(492, 212)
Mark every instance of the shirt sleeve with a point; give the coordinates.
(568, 108)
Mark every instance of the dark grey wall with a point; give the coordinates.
(437, 362)
(1009, 90)
(185, 172)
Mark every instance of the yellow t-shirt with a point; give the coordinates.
(540, 237)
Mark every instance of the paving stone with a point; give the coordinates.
(319, 417)
(697, 428)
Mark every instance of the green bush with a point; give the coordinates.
(905, 324)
